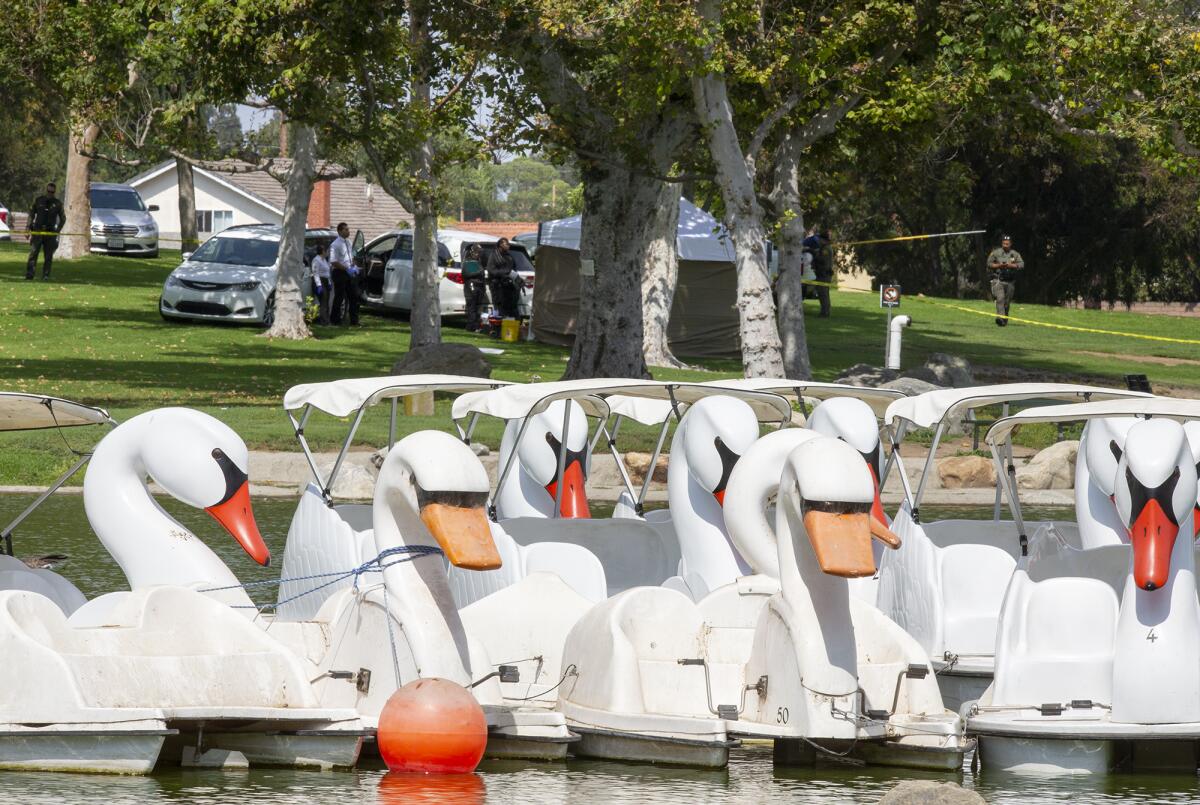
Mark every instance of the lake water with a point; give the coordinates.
(60, 527)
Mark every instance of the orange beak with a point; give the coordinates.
(842, 542)
(877, 511)
(236, 517)
(1153, 537)
(464, 534)
(1196, 521)
(720, 496)
(574, 498)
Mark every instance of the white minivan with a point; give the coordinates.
(387, 280)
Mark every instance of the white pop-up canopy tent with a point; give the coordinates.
(704, 317)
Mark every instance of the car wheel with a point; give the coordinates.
(269, 312)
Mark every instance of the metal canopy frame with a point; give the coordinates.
(326, 484)
(6, 533)
(1005, 464)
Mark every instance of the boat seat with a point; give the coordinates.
(633, 553)
(16, 575)
(574, 564)
(973, 580)
(1001, 534)
(1064, 646)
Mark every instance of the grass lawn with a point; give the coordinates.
(94, 334)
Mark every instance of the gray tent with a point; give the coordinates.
(704, 316)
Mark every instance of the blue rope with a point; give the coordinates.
(397, 555)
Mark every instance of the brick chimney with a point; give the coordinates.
(318, 204)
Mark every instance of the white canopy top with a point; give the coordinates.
(699, 236)
(1166, 407)
(647, 401)
(20, 411)
(878, 399)
(928, 409)
(344, 397)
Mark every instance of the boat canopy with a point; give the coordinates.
(1165, 407)
(933, 407)
(878, 399)
(344, 397)
(21, 411)
(649, 402)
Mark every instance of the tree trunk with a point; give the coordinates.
(426, 314)
(289, 293)
(620, 211)
(189, 235)
(77, 203)
(762, 354)
(789, 287)
(659, 278)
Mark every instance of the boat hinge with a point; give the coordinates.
(361, 678)
(1051, 709)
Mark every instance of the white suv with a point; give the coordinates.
(232, 276)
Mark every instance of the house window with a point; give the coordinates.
(213, 221)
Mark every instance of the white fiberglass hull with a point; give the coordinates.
(125, 747)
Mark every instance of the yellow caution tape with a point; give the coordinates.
(993, 315)
(911, 237)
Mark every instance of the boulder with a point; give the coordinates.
(1052, 468)
(910, 385)
(353, 482)
(924, 374)
(966, 472)
(443, 359)
(864, 374)
(928, 792)
(949, 370)
(638, 463)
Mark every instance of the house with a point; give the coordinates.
(226, 199)
(498, 229)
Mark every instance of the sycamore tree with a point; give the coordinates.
(588, 79)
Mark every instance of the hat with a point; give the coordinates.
(1006, 237)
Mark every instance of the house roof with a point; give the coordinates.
(498, 229)
(353, 199)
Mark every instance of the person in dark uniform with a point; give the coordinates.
(474, 288)
(820, 246)
(500, 271)
(46, 216)
(1004, 262)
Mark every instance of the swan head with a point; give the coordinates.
(719, 431)
(442, 481)
(852, 420)
(1103, 442)
(202, 462)
(1155, 496)
(538, 454)
(826, 482)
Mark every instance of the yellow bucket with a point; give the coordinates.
(510, 330)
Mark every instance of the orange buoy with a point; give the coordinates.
(432, 725)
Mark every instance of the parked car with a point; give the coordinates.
(5, 223)
(388, 278)
(121, 221)
(232, 276)
(529, 240)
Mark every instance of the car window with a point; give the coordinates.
(404, 248)
(381, 249)
(237, 251)
(520, 260)
(105, 199)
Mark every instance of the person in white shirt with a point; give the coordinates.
(345, 278)
(322, 282)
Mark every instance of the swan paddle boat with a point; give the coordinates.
(19, 412)
(945, 583)
(1098, 648)
(161, 673)
(786, 653)
(366, 636)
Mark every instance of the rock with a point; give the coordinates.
(353, 482)
(1052, 468)
(444, 359)
(924, 374)
(910, 385)
(928, 792)
(638, 463)
(949, 370)
(480, 449)
(378, 456)
(864, 374)
(963, 472)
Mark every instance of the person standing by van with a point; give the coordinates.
(501, 270)
(474, 287)
(46, 217)
(322, 282)
(345, 278)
